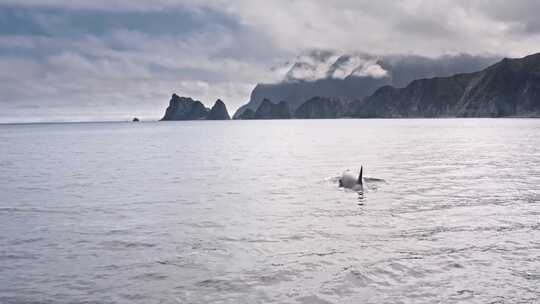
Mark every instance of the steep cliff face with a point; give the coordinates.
(435, 97)
(351, 77)
(185, 108)
(297, 92)
(269, 110)
(218, 111)
(508, 88)
(246, 114)
(321, 107)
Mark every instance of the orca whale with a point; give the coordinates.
(348, 181)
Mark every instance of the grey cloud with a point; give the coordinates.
(83, 58)
(105, 5)
(311, 66)
(61, 22)
(424, 27)
(76, 62)
(521, 16)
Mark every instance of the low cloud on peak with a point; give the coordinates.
(316, 64)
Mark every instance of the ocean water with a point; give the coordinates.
(250, 212)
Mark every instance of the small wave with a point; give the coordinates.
(248, 240)
(223, 285)
(120, 245)
(203, 224)
(312, 300)
(25, 241)
(151, 276)
(374, 180)
(18, 256)
(321, 254)
(528, 275)
(118, 232)
(32, 189)
(34, 210)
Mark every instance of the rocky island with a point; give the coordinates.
(185, 108)
(218, 111)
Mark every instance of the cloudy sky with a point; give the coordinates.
(79, 60)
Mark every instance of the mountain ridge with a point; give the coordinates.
(355, 76)
(510, 87)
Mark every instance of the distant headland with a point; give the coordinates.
(508, 88)
(185, 108)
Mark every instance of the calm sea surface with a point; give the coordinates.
(250, 212)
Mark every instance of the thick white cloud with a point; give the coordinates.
(317, 64)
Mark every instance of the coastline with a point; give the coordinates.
(309, 119)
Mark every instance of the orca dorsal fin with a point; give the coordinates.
(360, 176)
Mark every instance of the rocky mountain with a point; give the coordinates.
(321, 107)
(270, 110)
(510, 87)
(247, 114)
(185, 108)
(297, 92)
(350, 77)
(218, 111)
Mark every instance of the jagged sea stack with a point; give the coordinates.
(185, 108)
(218, 111)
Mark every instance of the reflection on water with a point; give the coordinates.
(251, 212)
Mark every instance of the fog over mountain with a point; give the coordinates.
(319, 64)
(508, 88)
(351, 76)
(66, 60)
